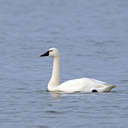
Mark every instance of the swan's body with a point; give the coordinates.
(84, 85)
(75, 85)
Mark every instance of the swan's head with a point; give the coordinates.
(53, 52)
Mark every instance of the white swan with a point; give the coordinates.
(75, 85)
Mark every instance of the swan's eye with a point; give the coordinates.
(50, 50)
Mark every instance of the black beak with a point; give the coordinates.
(45, 54)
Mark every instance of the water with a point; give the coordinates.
(92, 37)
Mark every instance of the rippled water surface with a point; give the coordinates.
(92, 37)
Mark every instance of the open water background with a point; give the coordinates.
(92, 37)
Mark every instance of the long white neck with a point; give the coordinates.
(54, 81)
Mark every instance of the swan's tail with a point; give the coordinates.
(109, 87)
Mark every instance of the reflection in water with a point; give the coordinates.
(55, 94)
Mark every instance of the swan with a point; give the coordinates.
(75, 85)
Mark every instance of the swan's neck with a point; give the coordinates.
(54, 81)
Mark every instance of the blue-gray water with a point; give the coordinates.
(92, 36)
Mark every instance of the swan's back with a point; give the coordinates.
(83, 85)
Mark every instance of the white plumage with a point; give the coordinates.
(75, 85)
